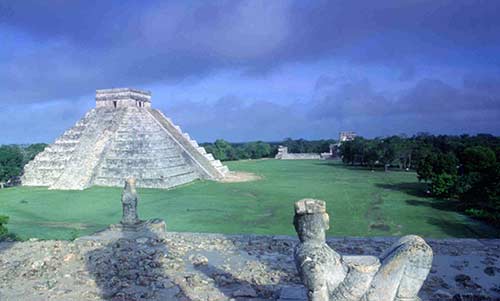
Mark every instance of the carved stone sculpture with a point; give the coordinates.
(397, 275)
(129, 203)
(130, 221)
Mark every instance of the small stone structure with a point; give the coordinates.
(398, 274)
(347, 136)
(283, 154)
(123, 136)
(124, 97)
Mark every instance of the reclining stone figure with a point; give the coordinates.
(396, 276)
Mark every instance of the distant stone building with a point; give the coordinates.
(122, 137)
(330, 154)
(283, 154)
(347, 136)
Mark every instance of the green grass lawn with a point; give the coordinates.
(360, 203)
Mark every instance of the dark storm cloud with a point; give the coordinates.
(428, 105)
(87, 44)
(235, 119)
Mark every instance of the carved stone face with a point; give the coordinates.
(131, 182)
(312, 227)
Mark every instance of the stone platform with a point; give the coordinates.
(191, 266)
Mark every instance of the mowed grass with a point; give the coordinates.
(360, 203)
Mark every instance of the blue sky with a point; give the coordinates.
(255, 70)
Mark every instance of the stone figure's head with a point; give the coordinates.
(311, 220)
(130, 184)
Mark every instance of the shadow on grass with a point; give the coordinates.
(469, 228)
(411, 188)
(378, 168)
(346, 166)
(443, 205)
(472, 229)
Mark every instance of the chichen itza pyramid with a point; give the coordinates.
(122, 137)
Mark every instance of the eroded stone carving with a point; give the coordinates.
(398, 274)
(130, 221)
(129, 203)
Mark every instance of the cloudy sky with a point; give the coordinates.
(256, 70)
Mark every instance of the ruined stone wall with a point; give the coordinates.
(283, 154)
(300, 156)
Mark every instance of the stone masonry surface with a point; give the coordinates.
(191, 266)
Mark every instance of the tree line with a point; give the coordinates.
(14, 157)
(226, 151)
(462, 169)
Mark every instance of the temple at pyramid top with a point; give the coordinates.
(122, 137)
(122, 97)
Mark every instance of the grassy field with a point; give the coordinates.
(360, 203)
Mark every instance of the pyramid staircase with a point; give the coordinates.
(198, 153)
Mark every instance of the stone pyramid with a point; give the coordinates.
(122, 137)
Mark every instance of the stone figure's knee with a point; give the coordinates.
(412, 247)
(416, 247)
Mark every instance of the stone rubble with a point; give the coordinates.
(191, 266)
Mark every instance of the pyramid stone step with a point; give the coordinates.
(223, 169)
(201, 150)
(217, 163)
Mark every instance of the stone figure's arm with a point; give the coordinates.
(361, 270)
(313, 277)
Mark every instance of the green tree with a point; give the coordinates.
(388, 151)
(3, 230)
(257, 150)
(11, 162)
(31, 151)
(372, 153)
(478, 159)
(443, 185)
